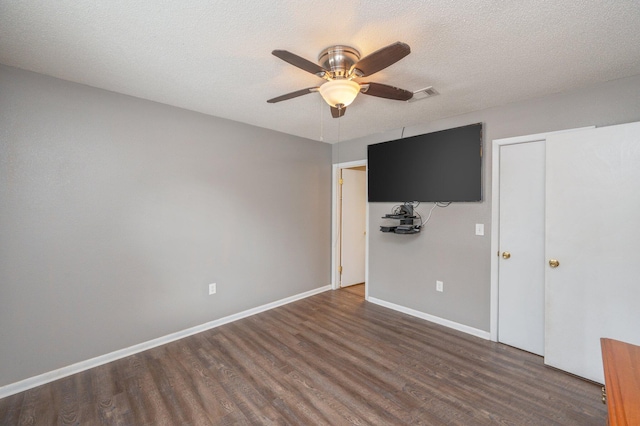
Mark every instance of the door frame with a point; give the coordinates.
(495, 214)
(335, 226)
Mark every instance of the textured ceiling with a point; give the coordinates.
(214, 56)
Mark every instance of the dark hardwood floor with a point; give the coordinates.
(357, 289)
(330, 359)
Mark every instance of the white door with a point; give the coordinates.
(521, 242)
(593, 231)
(353, 227)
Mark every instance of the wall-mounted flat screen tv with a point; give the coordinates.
(439, 166)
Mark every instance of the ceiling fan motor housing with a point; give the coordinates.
(338, 60)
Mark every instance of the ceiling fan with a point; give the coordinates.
(340, 66)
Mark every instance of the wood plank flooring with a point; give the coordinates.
(331, 359)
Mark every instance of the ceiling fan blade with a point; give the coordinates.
(338, 112)
(380, 59)
(293, 95)
(385, 91)
(300, 62)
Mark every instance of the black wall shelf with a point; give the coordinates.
(406, 225)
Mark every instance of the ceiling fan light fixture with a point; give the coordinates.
(339, 92)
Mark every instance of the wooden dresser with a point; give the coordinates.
(622, 382)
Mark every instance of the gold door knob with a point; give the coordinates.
(506, 255)
(554, 263)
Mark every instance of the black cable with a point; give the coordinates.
(419, 217)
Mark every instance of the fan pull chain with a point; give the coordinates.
(321, 121)
(339, 120)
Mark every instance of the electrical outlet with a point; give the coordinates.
(212, 288)
(439, 286)
(479, 228)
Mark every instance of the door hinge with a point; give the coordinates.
(341, 181)
(340, 269)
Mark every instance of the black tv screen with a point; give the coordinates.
(440, 166)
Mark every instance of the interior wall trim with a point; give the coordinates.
(50, 376)
(432, 318)
(335, 232)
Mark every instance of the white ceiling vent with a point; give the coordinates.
(427, 92)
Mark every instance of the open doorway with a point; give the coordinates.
(349, 257)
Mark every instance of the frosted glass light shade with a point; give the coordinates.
(339, 92)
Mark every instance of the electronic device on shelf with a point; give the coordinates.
(404, 214)
(393, 216)
(407, 229)
(388, 228)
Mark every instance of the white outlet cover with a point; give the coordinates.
(439, 286)
(212, 288)
(479, 228)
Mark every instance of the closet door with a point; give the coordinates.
(521, 267)
(593, 233)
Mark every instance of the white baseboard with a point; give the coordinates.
(432, 318)
(50, 376)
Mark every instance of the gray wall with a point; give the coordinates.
(403, 268)
(115, 214)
